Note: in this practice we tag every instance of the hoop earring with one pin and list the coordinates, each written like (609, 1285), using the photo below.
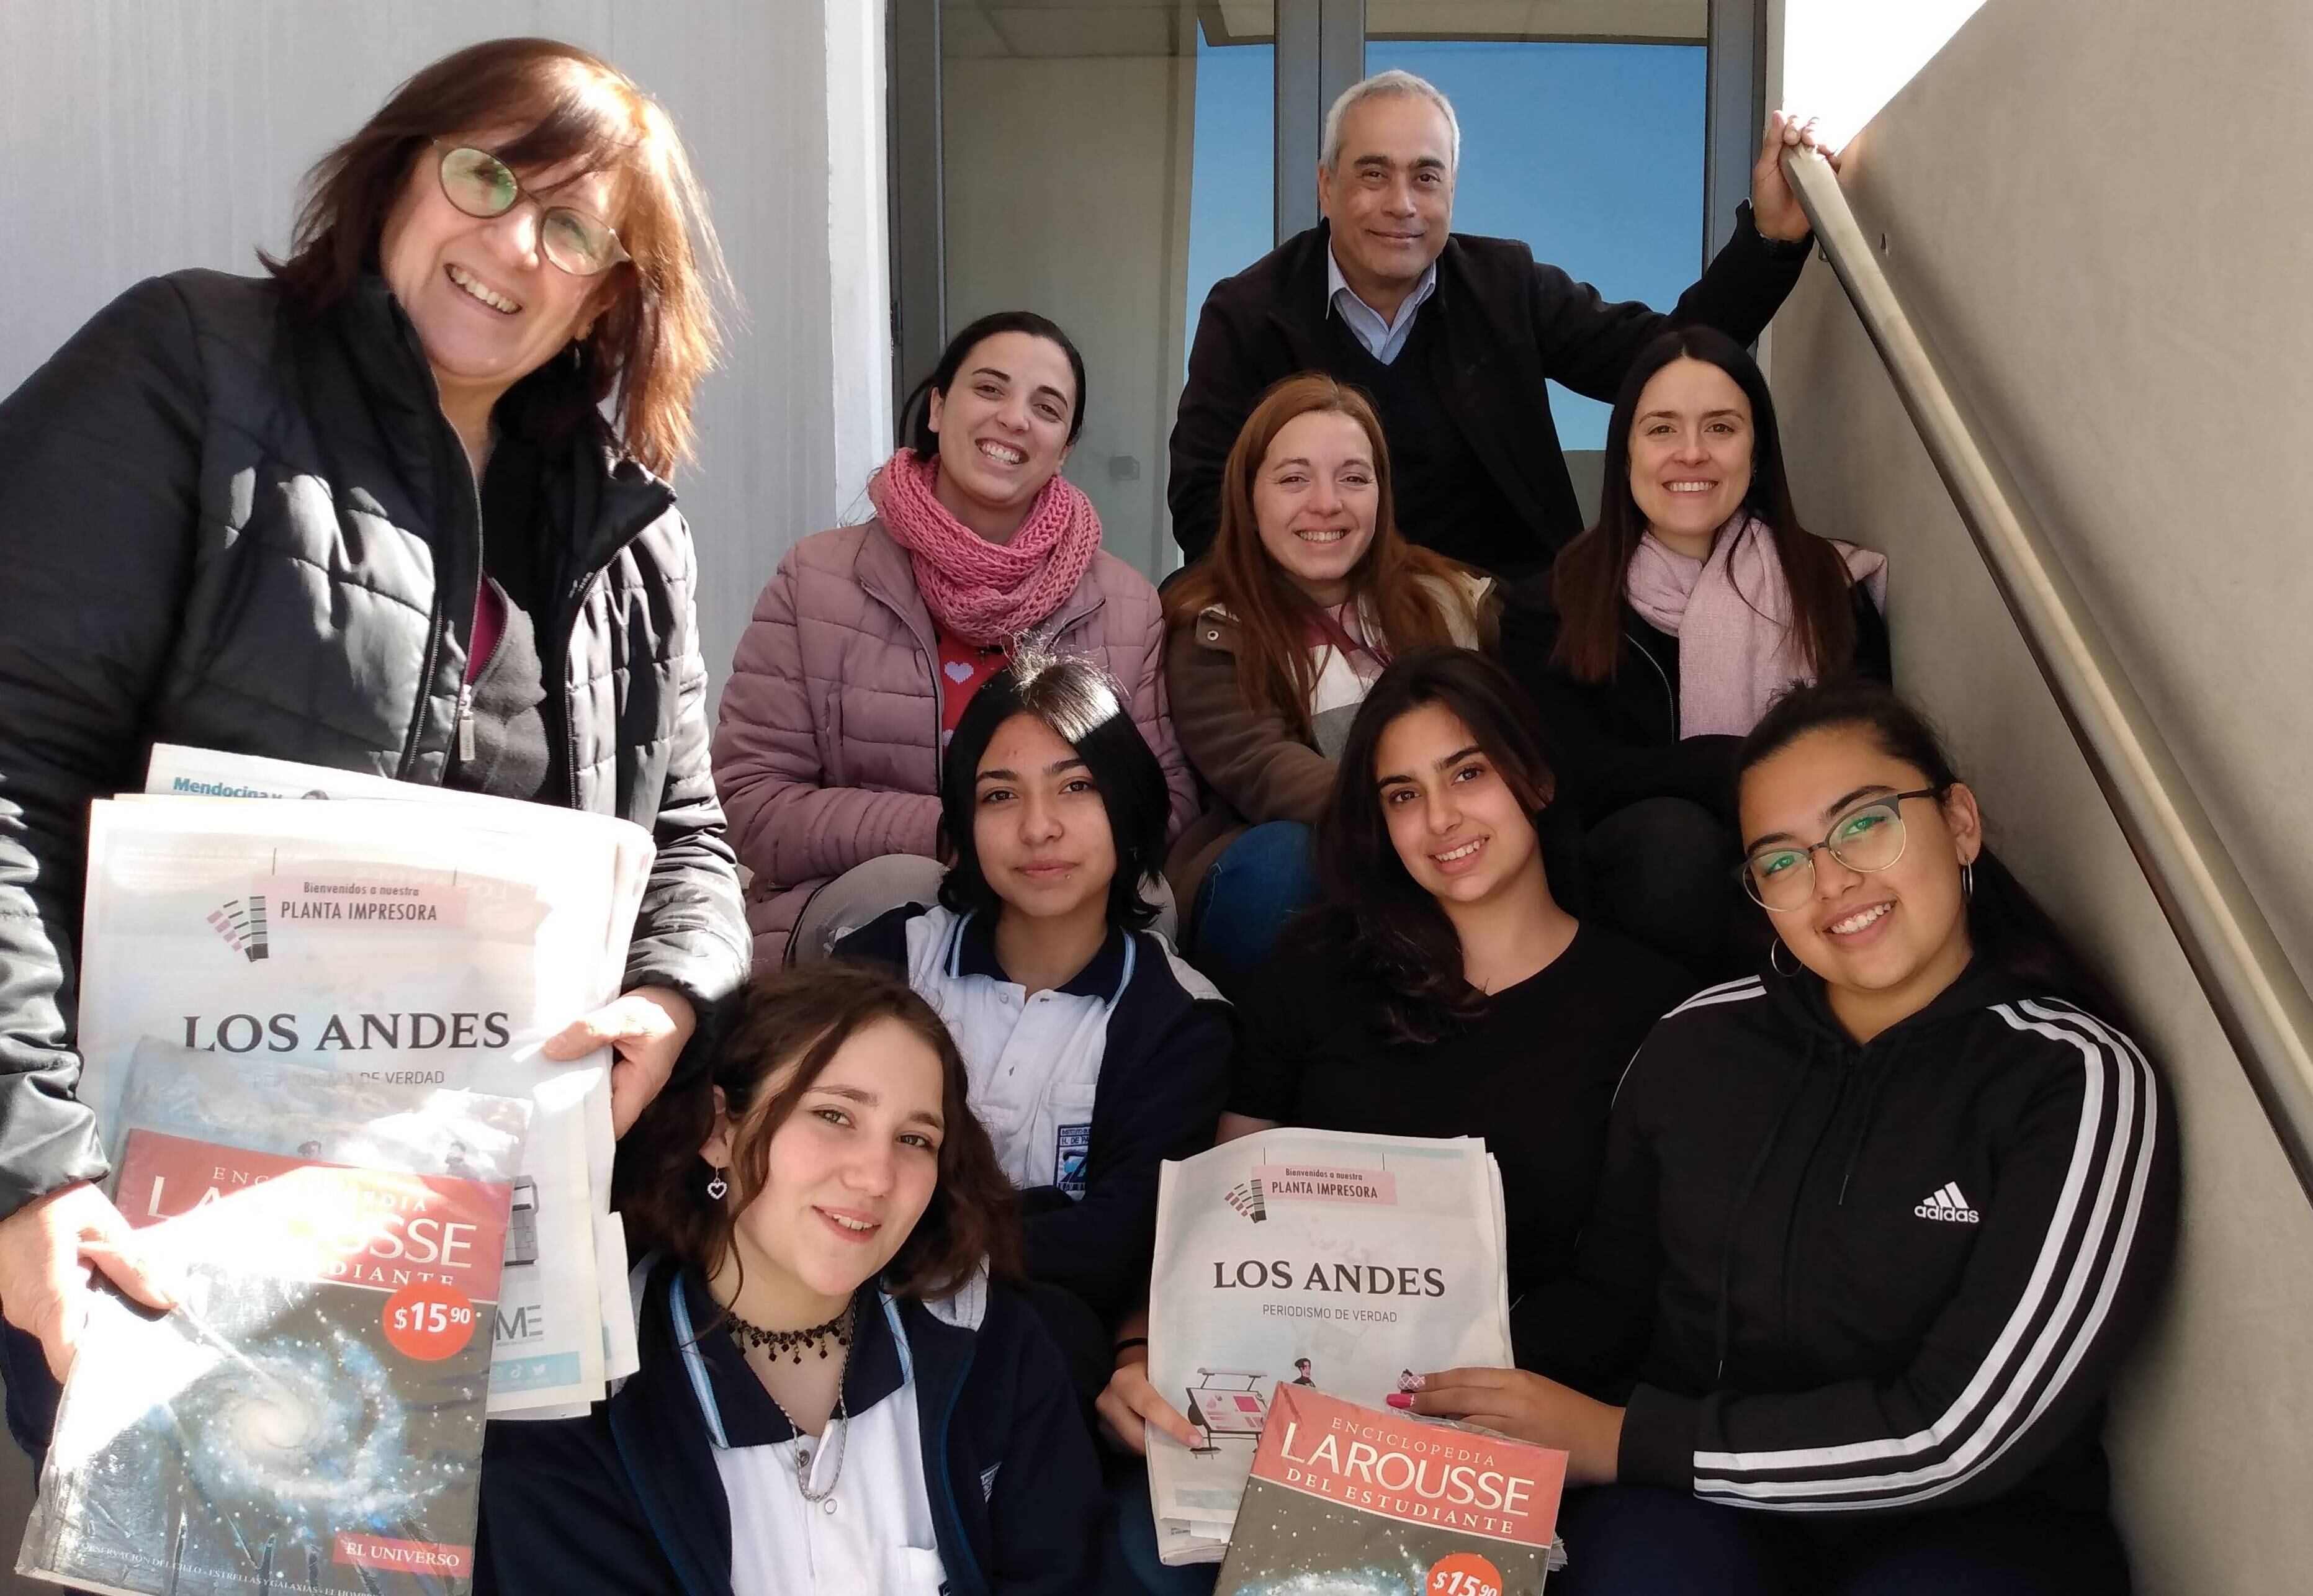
(1967, 881)
(1776, 964)
(719, 1187)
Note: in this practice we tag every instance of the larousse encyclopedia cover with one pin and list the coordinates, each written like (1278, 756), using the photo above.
(1350, 1501)
(309, 1418)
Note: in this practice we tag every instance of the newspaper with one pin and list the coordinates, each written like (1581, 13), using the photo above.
(180, 771)
(1318, 1259)
(410, 943)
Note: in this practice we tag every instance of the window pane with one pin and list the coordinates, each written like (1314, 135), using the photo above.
(1233, 197)
(1091, 150)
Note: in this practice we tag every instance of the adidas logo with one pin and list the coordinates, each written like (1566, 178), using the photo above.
(1946, 1204)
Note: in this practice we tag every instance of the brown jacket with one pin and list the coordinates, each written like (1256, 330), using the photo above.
(1252, 764)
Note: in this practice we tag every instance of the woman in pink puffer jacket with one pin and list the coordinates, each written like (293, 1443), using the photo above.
(870, 639)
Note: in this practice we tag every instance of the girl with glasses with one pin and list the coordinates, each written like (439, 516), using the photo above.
(365, 510)
(1274, 638)
(839, 1392)
(1096, 1054)
(1874, 1236)
(1661, 635)
(871, 639)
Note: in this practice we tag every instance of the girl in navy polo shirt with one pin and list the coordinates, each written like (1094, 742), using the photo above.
(1094, 1053)
(833, 1397)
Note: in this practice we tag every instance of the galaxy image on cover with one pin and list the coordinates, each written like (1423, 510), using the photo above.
(291, 1431)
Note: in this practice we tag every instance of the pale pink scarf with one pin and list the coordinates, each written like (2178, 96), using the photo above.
(981, 591)
(1731, 614)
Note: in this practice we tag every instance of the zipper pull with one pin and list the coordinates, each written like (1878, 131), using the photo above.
(465, 723)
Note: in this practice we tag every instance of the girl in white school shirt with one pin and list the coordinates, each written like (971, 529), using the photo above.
(833, 1397)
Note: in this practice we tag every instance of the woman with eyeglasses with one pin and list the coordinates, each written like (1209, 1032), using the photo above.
(365, 510)
(1876, 1229)
(1662, 634)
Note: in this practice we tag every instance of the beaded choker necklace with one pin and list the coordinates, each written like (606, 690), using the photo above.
(792, 1344)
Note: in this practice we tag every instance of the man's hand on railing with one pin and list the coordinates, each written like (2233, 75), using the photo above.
(1773, 207)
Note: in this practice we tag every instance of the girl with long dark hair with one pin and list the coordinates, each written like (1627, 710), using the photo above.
(839, 1392)
(1094, 1053)
(1874, 1235)
(1440, 988)
(1661, 635)
(1273, 639)
(871, 639)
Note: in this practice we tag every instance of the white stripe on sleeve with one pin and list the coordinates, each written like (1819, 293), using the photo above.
(2056, 1318)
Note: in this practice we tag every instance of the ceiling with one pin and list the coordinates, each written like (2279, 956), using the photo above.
(1078, 29)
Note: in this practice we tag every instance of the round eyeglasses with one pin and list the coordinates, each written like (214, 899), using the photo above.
(481, 185)
(1781, 876)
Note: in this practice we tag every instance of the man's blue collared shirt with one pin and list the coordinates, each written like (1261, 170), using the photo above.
(1383, 339)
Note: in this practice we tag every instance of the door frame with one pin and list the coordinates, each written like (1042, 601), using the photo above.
(1320, 50)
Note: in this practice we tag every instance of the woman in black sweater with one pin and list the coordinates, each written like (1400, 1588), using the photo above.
(1440, 989)
(1873, 1237)
(1662, 634)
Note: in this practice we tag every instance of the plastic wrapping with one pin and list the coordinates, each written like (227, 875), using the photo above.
(308, 1417)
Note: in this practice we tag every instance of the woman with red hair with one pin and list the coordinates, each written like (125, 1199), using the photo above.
(1272, 643)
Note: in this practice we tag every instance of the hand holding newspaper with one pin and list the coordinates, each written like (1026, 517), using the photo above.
(1315, 1259)
(406, 934)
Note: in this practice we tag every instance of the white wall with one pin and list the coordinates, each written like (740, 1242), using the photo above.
(2092, 209)
(137, 137)
(1067, 194)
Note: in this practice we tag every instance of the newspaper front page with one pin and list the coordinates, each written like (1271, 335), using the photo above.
(176, 770)
(407, 943)
(1316, 1258)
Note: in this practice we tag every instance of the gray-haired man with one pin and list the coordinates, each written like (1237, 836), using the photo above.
(1452, 336)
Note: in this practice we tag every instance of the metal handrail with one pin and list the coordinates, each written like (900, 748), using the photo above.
(2259, 997)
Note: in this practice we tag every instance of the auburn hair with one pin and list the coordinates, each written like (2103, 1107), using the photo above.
(655, 334)
(789, 1029)
(1397, 584)
(1588, 579)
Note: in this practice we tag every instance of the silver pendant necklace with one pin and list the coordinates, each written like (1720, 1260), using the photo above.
(832, 1435)
(835, 1428)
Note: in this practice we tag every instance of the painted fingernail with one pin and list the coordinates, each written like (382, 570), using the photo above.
(1399, 1400)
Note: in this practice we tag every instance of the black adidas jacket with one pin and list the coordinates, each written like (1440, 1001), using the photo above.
(1898, 1276)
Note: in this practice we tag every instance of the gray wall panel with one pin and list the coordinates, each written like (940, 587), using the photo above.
(2083, 207)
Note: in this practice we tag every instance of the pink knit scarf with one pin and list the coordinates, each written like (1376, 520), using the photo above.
(1731, 614)
(981, 591)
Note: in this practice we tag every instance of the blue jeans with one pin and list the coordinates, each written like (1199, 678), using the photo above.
(1257, 884)
(1133, 1526)
(1643, 1540)
(32, 1391)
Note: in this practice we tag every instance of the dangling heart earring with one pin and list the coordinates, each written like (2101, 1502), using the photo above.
(719, 1187)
